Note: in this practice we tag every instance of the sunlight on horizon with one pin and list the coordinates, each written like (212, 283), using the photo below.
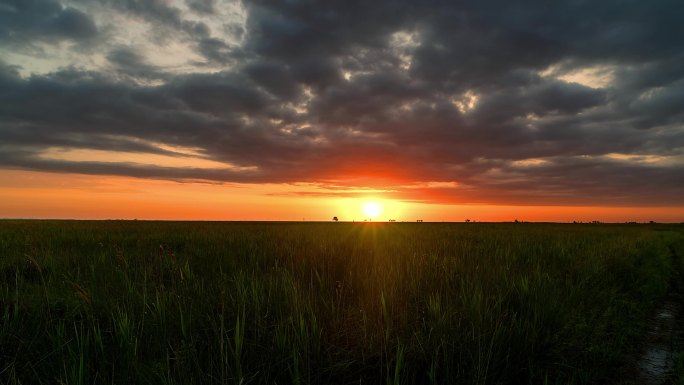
(31, 194)
(372, 209)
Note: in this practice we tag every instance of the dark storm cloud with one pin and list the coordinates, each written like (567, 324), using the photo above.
(216, 50)
(202, 6)
(8, 73)
(168, 23)
(275, 78)
(25, 21)
(289, 30)
(569, 102)
(157, 11)
(161, 14)
(131, 63)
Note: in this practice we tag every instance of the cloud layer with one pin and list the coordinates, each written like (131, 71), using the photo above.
(496, 102)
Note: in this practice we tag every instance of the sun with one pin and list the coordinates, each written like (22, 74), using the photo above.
(372, 209)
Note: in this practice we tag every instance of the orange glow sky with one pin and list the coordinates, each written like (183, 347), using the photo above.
(291, 110)
(30, 194)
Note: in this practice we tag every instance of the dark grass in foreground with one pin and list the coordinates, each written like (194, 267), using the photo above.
(326, 303)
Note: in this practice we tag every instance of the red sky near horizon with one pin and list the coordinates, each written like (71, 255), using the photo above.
(37, 195)
(272, 110)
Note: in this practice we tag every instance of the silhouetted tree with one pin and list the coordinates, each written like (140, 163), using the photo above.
(335, 219)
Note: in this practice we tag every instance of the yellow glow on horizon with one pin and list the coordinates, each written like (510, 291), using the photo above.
(372, 209)
(34, 194)
(353, 209)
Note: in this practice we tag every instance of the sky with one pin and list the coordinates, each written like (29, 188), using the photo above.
(438, 110)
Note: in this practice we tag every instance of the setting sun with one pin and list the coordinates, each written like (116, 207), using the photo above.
(372, 209)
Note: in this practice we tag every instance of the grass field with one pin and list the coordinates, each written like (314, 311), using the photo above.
(123, 302)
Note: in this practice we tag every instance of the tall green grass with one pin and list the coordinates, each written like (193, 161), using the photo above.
(676, 245)
(336, 303)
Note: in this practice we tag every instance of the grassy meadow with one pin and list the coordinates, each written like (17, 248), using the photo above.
(137, 302)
